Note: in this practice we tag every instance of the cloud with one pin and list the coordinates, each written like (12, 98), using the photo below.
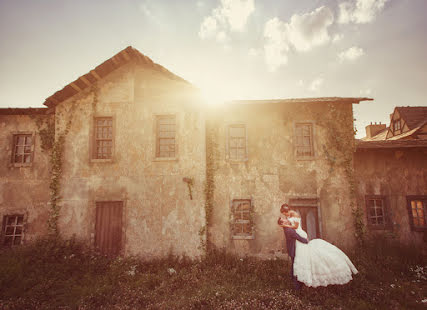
(311, 29)
(337, 37)
(315, 84)
(351, 54)
(208, 27)
(253, 52)
(301, 33)
(229, 16)
(360, 11)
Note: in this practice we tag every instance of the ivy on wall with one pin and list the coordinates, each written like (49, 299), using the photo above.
(53, 141)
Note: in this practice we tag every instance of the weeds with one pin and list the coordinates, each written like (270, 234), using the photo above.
(64, 274)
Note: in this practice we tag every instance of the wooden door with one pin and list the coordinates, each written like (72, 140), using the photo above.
(108, 227)
(309, 221)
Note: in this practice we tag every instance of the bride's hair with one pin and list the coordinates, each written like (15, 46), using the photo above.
(284, 208)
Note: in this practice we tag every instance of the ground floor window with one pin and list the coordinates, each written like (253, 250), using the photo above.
(12, 230)
(242, 222)
(417, 209)
(376, 211)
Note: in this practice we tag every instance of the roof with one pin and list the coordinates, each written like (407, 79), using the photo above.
(25, 111)
(390, 144)
(123, 57)
(354, 100)
(413, 116)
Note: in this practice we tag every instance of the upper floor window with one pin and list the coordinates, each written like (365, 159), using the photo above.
(22, 149)
(103, 138)
(165, 136)
(304, 140)
(12, 231)
(417, 208)
(376, 210)
(242, 223)
(237, 148)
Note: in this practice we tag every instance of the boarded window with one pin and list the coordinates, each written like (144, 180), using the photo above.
(242, 224)
(165, 136)
(103, 138)
(417, 207)
(304, 140)
(237, 142)
(13, 229)
(22, 149)
(108, 227)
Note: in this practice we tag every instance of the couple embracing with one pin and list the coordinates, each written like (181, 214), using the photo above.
(316, 262)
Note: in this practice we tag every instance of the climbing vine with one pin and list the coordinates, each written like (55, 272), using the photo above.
(339, 152)
(209, 183)
(53, 141)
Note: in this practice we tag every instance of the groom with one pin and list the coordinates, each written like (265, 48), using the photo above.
(291, 237)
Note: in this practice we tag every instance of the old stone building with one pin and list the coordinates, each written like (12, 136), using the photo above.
(391, 172)
(149, 169)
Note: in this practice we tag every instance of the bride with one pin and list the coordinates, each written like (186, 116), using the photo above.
(318, 263)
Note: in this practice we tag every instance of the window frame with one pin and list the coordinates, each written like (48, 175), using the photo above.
(94, 139)
(423, 198)
(228, 141)
(385, 207)
(312, 144)
(157, 117)
(12, 155)
(242, 236)
(14, 235)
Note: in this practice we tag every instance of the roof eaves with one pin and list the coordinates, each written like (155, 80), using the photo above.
(352, 100)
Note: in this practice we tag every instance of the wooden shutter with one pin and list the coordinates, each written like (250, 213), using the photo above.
(108, 227)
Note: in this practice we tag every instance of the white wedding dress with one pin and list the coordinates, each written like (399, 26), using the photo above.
(320, 263)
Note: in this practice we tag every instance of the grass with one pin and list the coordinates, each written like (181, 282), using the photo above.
(66, 275)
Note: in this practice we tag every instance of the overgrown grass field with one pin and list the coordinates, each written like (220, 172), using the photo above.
(66, 275)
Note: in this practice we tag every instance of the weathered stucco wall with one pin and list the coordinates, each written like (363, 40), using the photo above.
(273, 175)
(394, 174)
(24, 190)
(159, 217)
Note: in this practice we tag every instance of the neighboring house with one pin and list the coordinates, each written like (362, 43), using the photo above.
(148, 169)
(390, 165)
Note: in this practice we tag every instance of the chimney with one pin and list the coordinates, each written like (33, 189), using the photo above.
(373, 129)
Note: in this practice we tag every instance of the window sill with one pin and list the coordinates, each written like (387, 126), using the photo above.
(165, 159)
(107, 160)
(16, 165)
(243, 237)
(308, 158)
(379, 227)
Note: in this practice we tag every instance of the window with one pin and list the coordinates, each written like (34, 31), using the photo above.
(22, 149)
(376, 211)
(396, 125)
(417, 208)
(237, 149)
(242, 224)
(304, 140)
(165, 141)
(12, 231)
(103, 138)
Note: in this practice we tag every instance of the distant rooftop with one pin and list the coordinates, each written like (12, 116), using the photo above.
(354, 100)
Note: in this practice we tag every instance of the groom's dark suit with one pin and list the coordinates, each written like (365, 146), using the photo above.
(291, 237)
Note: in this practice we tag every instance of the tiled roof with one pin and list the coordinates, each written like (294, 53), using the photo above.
(304, 100)
(413, 116)
(378, 137)
(390, 144)
(108, 66)
(25, 111)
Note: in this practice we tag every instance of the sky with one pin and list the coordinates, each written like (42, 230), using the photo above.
(230, 49)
